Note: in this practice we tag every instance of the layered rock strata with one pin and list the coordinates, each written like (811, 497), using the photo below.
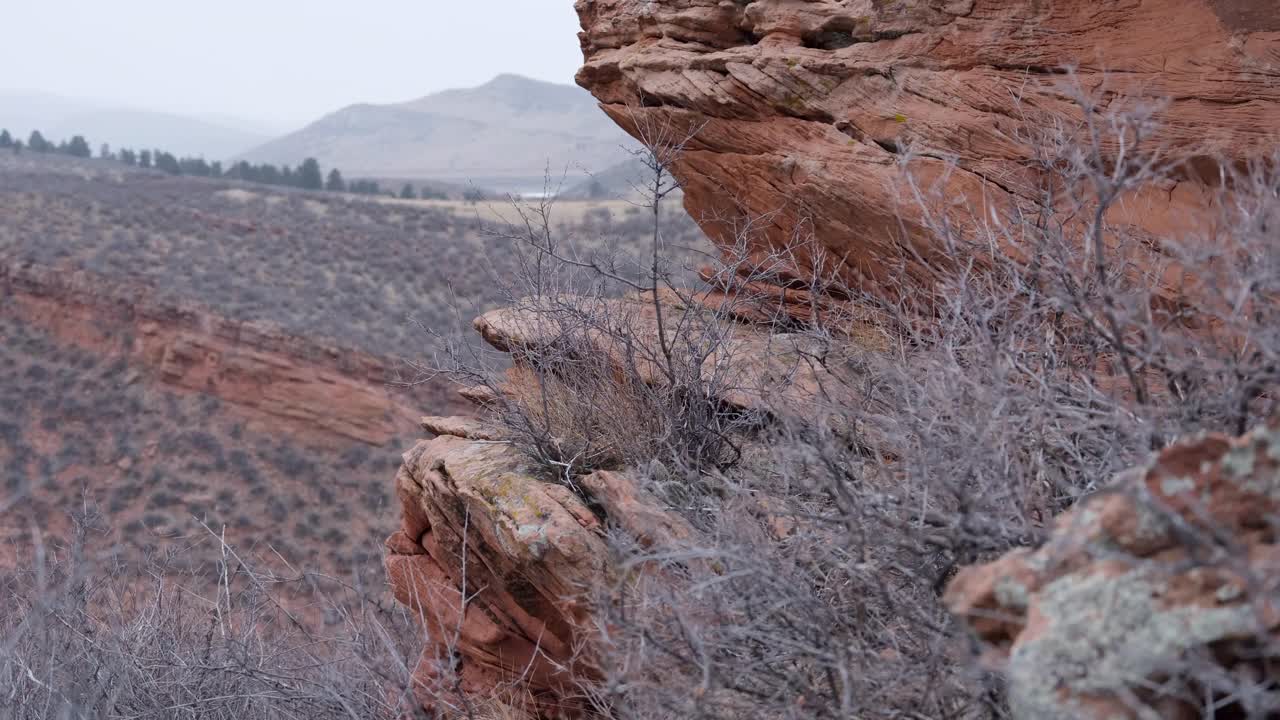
(801, 112)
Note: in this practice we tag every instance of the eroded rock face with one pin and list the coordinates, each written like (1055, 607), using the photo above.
(1175, 564)
(301, 385)
(802, 108)
(524, 551)
(527, 552)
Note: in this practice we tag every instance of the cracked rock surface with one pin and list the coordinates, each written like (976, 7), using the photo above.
(802, 108)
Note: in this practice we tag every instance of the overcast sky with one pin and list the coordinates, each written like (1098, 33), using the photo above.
(281, 62)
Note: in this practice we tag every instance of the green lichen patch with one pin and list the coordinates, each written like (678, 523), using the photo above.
(1105, 636)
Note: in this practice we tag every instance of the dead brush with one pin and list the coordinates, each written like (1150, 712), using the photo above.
(1055, 347)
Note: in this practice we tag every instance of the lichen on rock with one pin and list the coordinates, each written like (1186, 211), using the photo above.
(1175, 563)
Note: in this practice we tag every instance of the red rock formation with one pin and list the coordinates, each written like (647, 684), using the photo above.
(523, 550)
(479, 519)
(750, 368)
(1176, 560)
(802, 107)
(528, 553)
(299, 384)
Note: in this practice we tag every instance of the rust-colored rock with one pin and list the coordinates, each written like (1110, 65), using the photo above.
(751, 368)
(635, 510)
(529, 553)
(1177, 559)
(802, 108)
(463, 427)
(525, 551)
(296, 383)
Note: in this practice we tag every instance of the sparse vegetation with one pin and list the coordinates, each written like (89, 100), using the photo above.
(79, 430)
(944, 420)
(959, 417)
(324, 266)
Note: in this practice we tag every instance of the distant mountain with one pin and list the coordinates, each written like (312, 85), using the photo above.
(504, 134)
(59, 118)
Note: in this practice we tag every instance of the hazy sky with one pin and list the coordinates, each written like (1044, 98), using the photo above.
(282, 62)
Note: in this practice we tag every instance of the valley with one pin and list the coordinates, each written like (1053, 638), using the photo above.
(181, 356)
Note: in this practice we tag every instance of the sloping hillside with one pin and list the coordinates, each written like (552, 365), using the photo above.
(504, 133)
(59, 118)
(179, 350)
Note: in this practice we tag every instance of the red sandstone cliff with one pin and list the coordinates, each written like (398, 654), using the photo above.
(801, 108)
(803, 111)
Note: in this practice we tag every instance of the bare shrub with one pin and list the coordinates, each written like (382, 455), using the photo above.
(217, 636)
(1059, 347)
(618, 361)
(1056, 346)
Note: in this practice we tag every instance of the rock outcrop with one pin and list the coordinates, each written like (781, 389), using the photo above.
(498, 559)
(748, 367)
(1150, 597)
(295, 383)
(528, 552)
(495, 562)
(803, 108)
(499, 565)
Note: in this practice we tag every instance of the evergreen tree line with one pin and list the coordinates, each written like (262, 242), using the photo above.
(76, 146)
(307, 176)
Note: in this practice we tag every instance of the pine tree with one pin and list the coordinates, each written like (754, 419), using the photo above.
(78, 147)
(335, 183)
(167, 162)
(241, 171)
(309, 176)
(6, 140)
(144, 158)
(104, 152)
(270, 174)
(407, 192)
(194, 166)
(37, 143)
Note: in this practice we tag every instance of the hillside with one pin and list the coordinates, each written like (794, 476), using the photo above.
(505, 133)
(177, 351)
(59, 118)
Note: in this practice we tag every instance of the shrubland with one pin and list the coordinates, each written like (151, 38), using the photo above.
(838, 450)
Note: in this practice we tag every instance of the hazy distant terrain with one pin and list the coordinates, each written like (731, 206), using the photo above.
(59, 118)
(506, 134)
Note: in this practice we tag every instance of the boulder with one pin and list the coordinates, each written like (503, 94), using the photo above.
(528, 555)
(1149, 597)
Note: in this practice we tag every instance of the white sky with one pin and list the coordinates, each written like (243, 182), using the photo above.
(279, 62)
